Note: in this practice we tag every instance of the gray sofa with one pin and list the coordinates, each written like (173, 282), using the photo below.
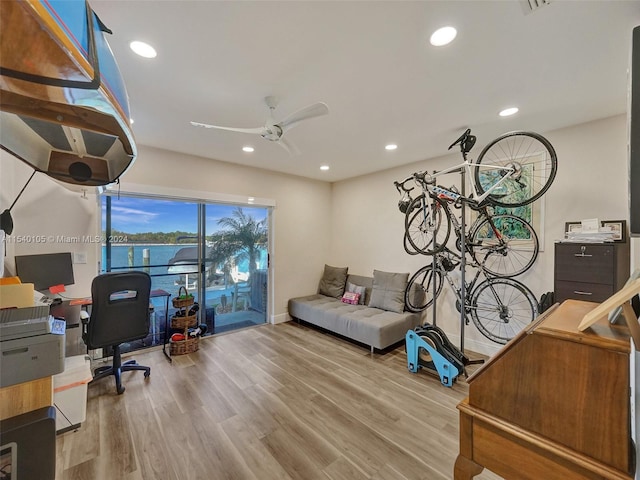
(372, 326)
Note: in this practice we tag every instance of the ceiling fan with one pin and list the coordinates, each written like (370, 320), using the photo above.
(274, 131)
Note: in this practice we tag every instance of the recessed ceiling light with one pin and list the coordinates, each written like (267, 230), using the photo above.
(248, 149)
(143, 49)
(391, 146)
(131, 121)
(508, 111)
(443, 36)
(251, 200)
(324, 167)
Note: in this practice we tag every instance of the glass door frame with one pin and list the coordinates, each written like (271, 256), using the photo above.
(201, 240)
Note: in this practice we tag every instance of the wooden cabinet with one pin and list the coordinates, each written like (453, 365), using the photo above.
(590, 271)
(25, 397)
(553, 404)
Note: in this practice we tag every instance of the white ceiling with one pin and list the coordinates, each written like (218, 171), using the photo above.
(372, 64)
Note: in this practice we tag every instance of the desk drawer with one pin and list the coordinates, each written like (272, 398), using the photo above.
(590, 292)
(577, 262)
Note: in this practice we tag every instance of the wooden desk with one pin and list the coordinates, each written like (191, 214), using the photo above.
(25, 397)
(553, 404)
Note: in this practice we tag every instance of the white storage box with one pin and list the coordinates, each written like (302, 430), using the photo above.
(70, 392)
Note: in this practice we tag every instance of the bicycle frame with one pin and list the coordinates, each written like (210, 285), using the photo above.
(469, 286)
(482, 215)
(427, 181)
(457, 289)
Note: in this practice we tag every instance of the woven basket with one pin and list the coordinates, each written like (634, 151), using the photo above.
(182, 302)
(183, 322)
(182, 347)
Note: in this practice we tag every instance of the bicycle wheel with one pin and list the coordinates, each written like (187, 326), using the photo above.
(507, 250)
(501, 308)
(424, 281)
(530, 155)
(426, 218)
(407, 246)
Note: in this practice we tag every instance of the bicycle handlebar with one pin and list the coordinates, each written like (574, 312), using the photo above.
(400, 186)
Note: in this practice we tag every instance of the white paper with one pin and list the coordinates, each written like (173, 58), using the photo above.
(590, 225)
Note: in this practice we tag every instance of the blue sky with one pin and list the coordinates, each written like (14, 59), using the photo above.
(136, 215)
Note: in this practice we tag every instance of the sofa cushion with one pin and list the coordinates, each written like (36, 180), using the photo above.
(366, 282)
(352, 298)
(359, 289)
(388, 291)
(333, 281)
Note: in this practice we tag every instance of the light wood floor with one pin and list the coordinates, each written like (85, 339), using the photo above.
(282, 402)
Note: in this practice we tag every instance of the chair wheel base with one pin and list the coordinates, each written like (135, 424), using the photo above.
(117, 368)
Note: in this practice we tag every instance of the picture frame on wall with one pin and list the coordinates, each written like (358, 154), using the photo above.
(618, 227)
(572, 227)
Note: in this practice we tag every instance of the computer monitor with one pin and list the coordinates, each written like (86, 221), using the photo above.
(45, 270)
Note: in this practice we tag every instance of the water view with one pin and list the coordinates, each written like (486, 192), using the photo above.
(159, 257)
(154, 236)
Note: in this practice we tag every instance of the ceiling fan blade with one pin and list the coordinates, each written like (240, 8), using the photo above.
(258, 130)
(315, 110)
(288, 146)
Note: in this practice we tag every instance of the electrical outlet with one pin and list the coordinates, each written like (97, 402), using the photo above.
(79, 257)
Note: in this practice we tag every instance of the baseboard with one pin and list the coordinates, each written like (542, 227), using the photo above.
(283, 317)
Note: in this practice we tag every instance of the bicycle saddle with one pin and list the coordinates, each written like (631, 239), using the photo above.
(466, 141)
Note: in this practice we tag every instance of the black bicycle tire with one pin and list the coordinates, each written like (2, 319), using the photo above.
(415, 209)
(485, 329)
(408, 304)
(552, 174)
(479, 257)
(408, 248)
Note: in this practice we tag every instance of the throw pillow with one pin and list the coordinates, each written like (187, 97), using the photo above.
(388, 291)
(350, 298)
(351, 287)
(333, 281)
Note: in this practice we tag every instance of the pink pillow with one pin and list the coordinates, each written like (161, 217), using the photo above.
(351, 298)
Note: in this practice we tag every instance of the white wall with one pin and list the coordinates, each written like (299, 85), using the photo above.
(368, 228)
(48, 218)
(301, 218)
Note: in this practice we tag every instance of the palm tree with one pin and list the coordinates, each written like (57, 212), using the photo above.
(241, 238)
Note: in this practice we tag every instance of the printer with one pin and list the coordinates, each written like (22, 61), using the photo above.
(31, 344)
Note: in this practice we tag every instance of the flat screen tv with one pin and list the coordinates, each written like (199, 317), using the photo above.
(45, 270)
(634, 134)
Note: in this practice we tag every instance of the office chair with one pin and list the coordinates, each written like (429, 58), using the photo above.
(119, 314)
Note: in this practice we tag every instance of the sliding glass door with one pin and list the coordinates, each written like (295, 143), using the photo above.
(237, 265)
(216, 252)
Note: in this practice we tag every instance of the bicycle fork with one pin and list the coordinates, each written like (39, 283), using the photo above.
(429, 211)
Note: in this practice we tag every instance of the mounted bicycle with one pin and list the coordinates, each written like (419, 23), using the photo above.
(505, 244)
(514, 170)
(498, 307)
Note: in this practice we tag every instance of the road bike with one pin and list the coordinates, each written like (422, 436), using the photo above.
(505, 244)
(514, 170)
(498, 307)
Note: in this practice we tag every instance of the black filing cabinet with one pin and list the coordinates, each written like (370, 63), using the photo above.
(590, 271)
